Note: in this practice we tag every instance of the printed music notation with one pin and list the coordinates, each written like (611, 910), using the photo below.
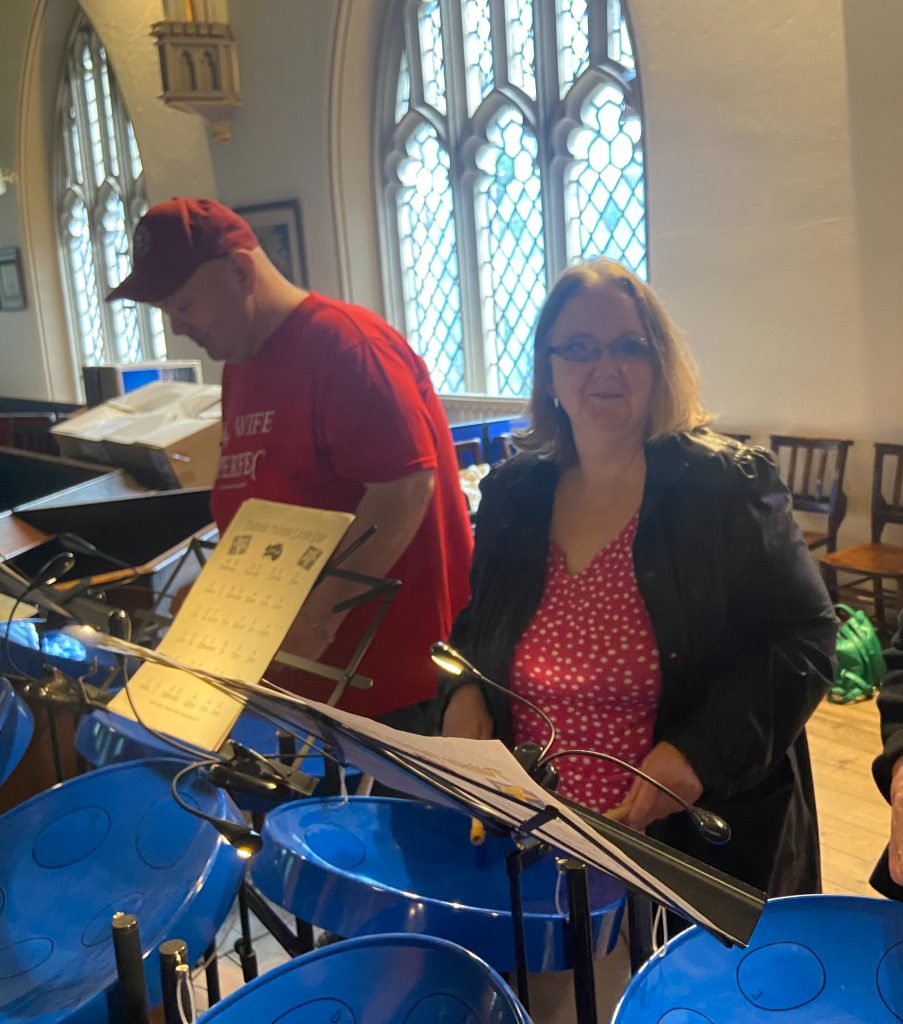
(234, 618)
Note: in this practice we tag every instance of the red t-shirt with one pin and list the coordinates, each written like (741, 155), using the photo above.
(336, 399)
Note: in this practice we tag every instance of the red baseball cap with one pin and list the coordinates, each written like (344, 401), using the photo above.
(173, 239)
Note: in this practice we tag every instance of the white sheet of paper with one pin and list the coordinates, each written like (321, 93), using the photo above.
(490, 773)
(484, 769)
(234, 618)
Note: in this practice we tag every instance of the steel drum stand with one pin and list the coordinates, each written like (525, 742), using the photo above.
(579, 923)
(250, 900)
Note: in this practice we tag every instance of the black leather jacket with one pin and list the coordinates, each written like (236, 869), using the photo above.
(742, 620)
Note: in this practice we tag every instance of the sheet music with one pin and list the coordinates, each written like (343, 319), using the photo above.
(490, 773)
(233, 620)
(490, 780)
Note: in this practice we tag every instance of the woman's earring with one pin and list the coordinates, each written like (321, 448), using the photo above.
(555, 402)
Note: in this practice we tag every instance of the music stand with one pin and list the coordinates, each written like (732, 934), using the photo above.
(487, 783)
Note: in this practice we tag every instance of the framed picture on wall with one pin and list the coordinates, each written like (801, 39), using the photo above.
(278, 227)
(12, 291)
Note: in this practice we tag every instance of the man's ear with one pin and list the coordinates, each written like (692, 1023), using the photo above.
(242, 270)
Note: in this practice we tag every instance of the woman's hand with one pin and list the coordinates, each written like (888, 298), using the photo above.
(466, 715)
(895, 845)
(645, 803)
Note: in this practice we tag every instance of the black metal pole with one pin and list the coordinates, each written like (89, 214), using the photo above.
(54, 742)
(244, 946)
(514, 864)
(130, 968)
(639, 924)
(211, 973)
(288, 748)
(580, 927)
(172, 953)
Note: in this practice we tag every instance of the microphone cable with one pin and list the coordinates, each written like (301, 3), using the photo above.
(712, 827)
(56, 566)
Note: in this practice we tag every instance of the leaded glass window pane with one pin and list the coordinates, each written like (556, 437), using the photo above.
(403, 91)
(75, 174)
(512, 259)
(134, 156)
(471, 195)
(117, 265)
(92, 110)
(604, 189)
(432, 56)
(620, 47)
(426, 231)
(77, 236)
(158, 338)
(521, 47)
(478, 51)
(573, 41)
(100, 195)
(109, 129)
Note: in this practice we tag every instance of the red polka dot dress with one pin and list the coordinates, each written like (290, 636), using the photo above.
(588, 659)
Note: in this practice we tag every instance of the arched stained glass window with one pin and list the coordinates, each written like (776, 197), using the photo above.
(100, 196)
(512, 145)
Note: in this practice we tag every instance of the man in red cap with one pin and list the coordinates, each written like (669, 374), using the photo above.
(324, 405)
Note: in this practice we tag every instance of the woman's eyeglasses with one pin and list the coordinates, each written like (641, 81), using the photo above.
(622, 350)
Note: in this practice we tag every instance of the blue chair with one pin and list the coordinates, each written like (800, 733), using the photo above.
(811, 960)
(112, 840)
(16, 728)
(370, 865)
(380, 979)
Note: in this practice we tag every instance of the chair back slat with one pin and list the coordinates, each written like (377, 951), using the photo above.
(813, 469)
(822, 472)
(469, 452)
(887, 488)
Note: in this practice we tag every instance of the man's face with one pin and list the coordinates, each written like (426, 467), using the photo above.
(214, 309)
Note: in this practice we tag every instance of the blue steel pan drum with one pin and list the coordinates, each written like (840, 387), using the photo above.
(369, 865)
(30, 648)
(112, 840)
(811, 960)
(104, 737)
(379, 979)
(16, 728)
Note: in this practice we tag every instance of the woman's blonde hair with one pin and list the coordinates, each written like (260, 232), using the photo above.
(675, 404)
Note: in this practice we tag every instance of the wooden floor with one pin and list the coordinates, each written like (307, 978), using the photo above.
(853, 816)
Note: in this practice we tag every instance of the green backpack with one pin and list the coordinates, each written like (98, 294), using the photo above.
(860, 664)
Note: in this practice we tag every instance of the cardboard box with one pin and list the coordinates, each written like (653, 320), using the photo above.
(165, 434)
(81, 436)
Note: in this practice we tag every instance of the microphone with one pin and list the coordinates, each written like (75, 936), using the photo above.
(712, 827)
(85, 547)
(454, 662)
(245, 840)
(249, 772)
(86, 587)
(50, 572)
(536, 760)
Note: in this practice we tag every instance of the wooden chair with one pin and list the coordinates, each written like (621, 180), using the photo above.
(813, 469)
(469, 452)
(507, 445)
(874, 563)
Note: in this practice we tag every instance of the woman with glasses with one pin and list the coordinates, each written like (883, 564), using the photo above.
(641, 579)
